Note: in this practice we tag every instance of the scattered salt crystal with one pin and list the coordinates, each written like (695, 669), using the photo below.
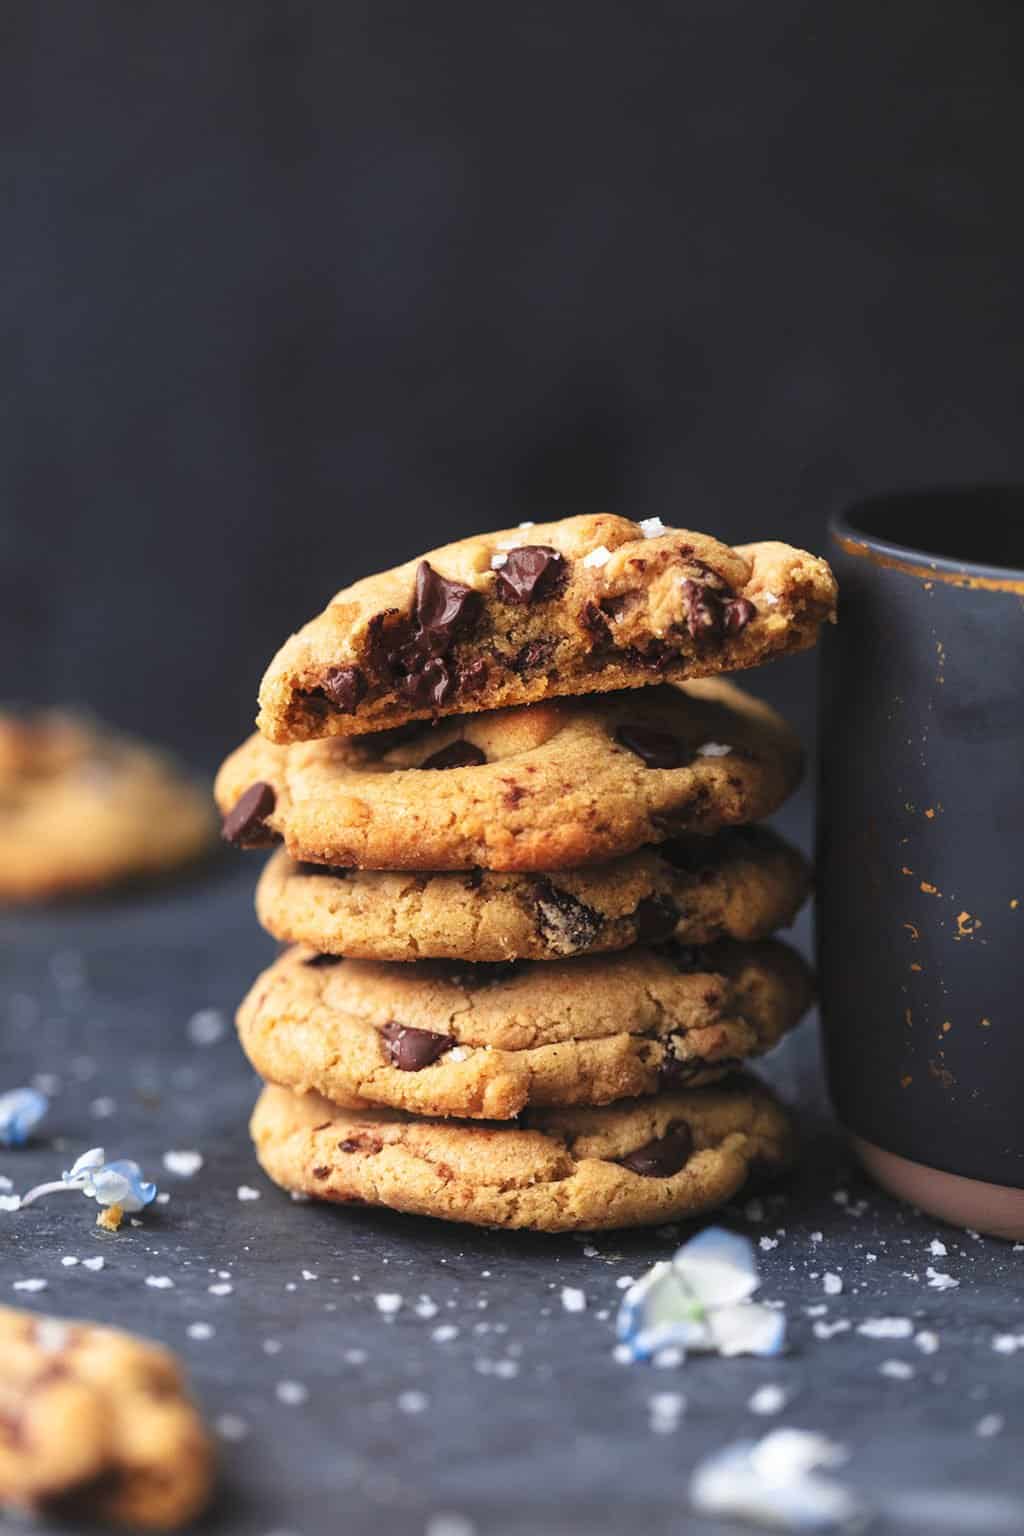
(162, 1197)
(1006, 1343)
(990, 1425)
(94, 1264)
(818, 1310)
(351, 1356)
(307, 1274)
(624, 1282)
(886, 1328)
(412, 1402)
(160, 1282)
(222, 1288)
(206, 1027)
(69, 1261)
(29, 1285)
(768, 1243)
(651, 527)
(872, 1258)
(200, 1330)
(291, 1392)
(622, 1354)
(898, 1370)
(5, 1182)
(668, 1358)
(497, 561)
(230, 1427)
(246, 1192)
(449, 1525)
(665, 1409)
(184, 1164)
(926, 1341)
(767, 1399)
(103, 1108)
(573, 1299)
(387, 1302)
(829, 1330)
(940, 1282)
(529, 524)
(444, 1333)
(425, 1307)
(714, 749)
(597, 557)
(817, 1237)
(937, 1249)
(833, 1285)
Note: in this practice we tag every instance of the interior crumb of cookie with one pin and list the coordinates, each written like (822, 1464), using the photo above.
(458, 643)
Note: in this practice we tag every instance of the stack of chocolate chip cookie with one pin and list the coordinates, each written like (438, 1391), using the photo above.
(526, 904)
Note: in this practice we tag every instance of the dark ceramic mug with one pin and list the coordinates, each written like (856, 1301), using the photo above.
(920, 905)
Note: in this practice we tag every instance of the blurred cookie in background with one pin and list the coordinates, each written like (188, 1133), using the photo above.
(83, 807)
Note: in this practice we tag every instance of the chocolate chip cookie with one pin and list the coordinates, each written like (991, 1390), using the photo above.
(547, 787)
(584, 605)
(484, 1041)
(743, 883)
(82, 807)
(95, 1425)
(626, 1165)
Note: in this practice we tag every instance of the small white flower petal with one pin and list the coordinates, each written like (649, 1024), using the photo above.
(718, 1267)
(747, 1329)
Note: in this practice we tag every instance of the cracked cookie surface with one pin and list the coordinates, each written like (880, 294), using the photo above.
(586, 604)
(625, 1165)
(97, 1426)
(549, 786)
(82, 807)
(483, 1042)
(742, 883)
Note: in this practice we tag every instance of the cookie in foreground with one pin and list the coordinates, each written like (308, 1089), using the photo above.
(545, 787)
(83, 807)
(625, 1165)
(486, 1041)
(97, 1426)
(742, 883)
(587, 604)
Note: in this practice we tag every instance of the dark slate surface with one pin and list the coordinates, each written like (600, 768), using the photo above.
(525, 1423)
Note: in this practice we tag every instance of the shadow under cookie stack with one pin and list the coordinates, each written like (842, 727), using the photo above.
(527, 906)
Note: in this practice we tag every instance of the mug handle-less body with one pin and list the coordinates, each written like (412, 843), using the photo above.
(920, 895)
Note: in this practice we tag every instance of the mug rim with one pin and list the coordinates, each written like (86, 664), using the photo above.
(915, 559)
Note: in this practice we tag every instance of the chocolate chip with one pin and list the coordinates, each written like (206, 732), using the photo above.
(674, 1073)
(472, 675)
(442, 608)
(566, 924)
(345, 687)
(321, 1172)
(657, 749)
(320, 960)
(738, 613)
(596, 624)
(480, 973)
(410, 1050)
(656, 918)
(245, 824)
(457, 754)
(663, 1157)
(702, 610)
(336, 871)
(530, 574)
(532, 656)
(413, 655)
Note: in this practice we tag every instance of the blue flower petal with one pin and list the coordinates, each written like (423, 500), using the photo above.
(748, 1329)
(659, 1311)
(774, 1482)
(121, 1183)
(21, 1110)
(719, 1267)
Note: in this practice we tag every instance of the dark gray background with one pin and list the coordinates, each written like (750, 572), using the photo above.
(292, 291)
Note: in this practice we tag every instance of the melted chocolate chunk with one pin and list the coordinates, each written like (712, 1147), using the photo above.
(595, 621)
(566, 924)
(414, 655)
(532, 656)
(674, 1073)
(319, 960)
(663, 1157)
(738, 613)
(656, 749)
(336, 871)
(245, 824)
(457, 754)
(656, 918)
(472, 675)
(345, 687)
(531, 574)
(410, 1050)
